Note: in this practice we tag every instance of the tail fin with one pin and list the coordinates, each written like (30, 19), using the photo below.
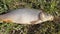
(4, 18)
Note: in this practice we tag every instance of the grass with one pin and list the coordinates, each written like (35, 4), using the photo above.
(49, 6)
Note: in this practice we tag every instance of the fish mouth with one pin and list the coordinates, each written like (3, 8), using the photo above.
(51, 18)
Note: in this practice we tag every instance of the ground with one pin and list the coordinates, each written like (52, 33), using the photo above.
(49, 6)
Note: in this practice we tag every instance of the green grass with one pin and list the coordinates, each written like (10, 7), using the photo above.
(49, 6)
